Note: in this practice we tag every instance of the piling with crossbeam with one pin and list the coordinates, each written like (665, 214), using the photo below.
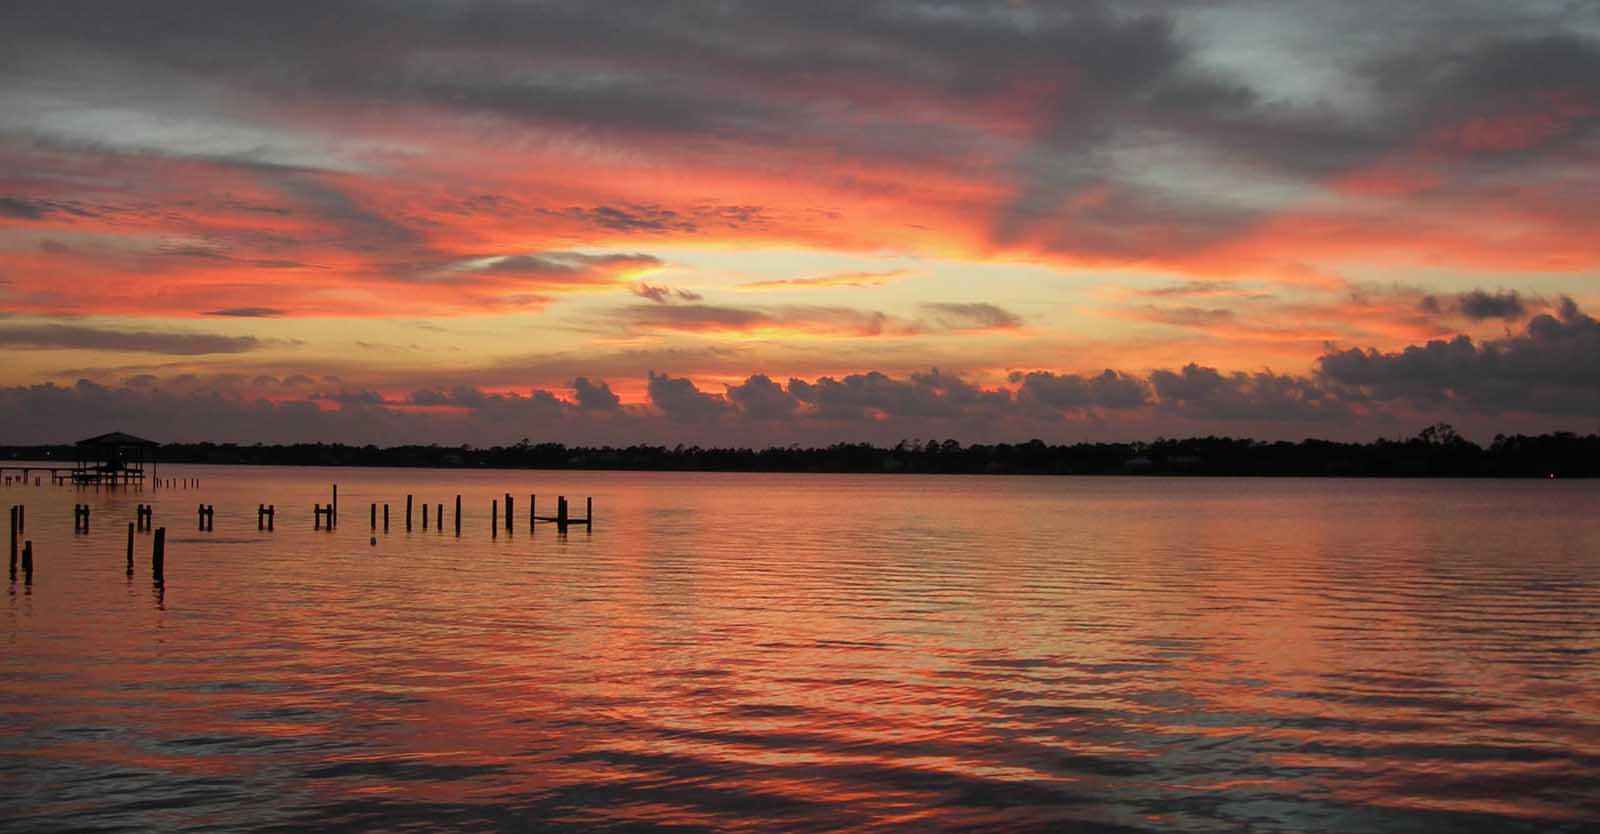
(563, 517)
(80, 518)
(143, 516)
(208, 516)
(158, 555)
(408, 513)
(318, 513)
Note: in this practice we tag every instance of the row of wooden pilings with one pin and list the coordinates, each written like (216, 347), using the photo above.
(328, 515)
(144, 520)
(158, 549)
(144, 516)
(562, 519)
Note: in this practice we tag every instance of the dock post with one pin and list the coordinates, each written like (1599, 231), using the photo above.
(13, 542)
(272, 513)
(424, 515)
(386, 517)
(533, 520)
(316, 516)
(333, 517)
(408, 513)
(588, 512)
(27, 562)
(130, 548)
(261, 516)
(494, 518)
(561, 513)
(458, 515)
(439, 517)
(158, 555)
(374, 515)
(510, 514)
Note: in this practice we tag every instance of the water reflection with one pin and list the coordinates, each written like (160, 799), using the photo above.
(819, 654)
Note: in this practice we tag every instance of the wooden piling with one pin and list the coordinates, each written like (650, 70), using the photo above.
(439, 516)
(561, 512)
(424, 515)
(408, 513)
(588, 512)
(458, 515)
(130, 548)
(533, 521)
(333, 517)
(374, 515)
(385, 518)
(22, 519)
(27, 562)
(158, 555)
(13, 541)
(494, 518)
(510, 514)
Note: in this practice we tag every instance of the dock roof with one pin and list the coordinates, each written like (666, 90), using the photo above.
(116, 438)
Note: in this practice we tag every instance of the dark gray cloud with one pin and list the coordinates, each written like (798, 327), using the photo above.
(974, 315)
(649, 218)
(1552, 367)
(595, 396)
(1479, 305)
(1209, 394)
(247, 312)
(83, 337)
(1054, 392)
(680, 400)
(21, 209)
(759, 398)
(663, 294)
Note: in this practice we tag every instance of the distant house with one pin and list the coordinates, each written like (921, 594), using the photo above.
(114, 458)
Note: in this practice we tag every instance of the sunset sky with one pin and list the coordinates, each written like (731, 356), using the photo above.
(797, 222)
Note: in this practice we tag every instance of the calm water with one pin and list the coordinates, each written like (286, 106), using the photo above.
(812, 653)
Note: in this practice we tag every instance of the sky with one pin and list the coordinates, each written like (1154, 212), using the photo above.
(755, 223)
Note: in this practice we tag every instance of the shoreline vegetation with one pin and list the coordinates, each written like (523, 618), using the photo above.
(1437, 451)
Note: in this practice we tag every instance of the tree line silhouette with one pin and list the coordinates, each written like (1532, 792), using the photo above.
(1436, 451)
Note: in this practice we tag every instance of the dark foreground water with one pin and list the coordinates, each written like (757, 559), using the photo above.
(812, 653)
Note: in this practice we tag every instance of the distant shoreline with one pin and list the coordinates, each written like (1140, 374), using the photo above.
(1436, 452)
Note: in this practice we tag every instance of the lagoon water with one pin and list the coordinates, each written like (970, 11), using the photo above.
(734, 652)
